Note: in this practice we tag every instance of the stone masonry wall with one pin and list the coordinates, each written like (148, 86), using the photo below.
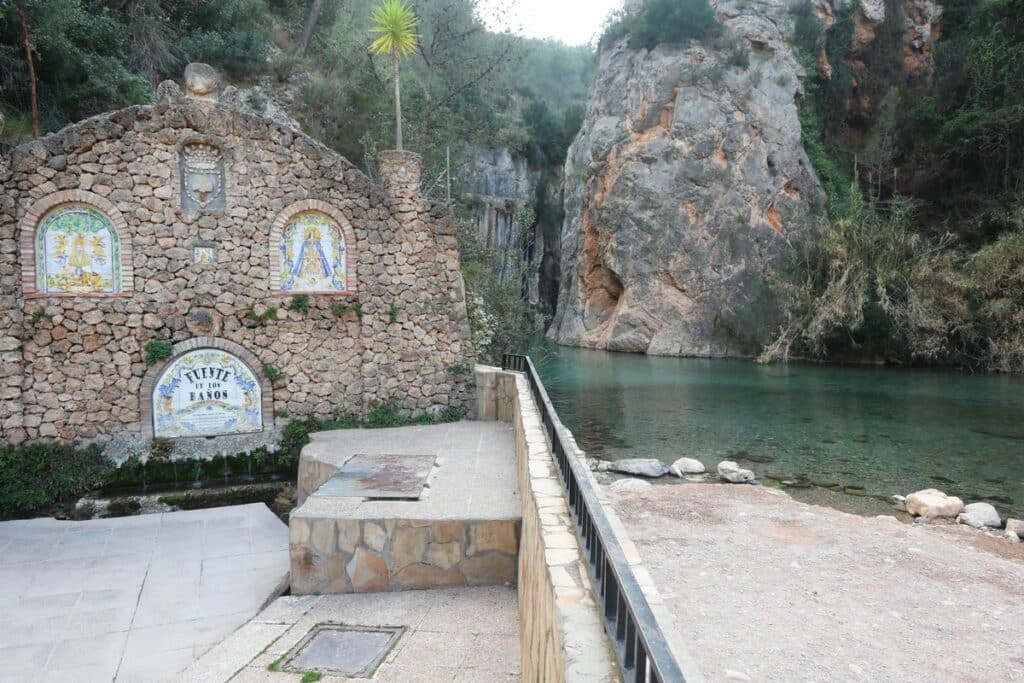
(73, 366)
(562, 635)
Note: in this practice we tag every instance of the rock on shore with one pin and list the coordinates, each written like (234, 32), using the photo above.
(640, 467)
(733, 473)
(684, 466)
(932, 504)
(980, 515)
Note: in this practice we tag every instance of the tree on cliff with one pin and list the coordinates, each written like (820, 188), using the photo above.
(394, 24)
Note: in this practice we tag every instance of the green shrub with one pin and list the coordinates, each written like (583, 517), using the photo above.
(671, 22)
(271, 373)
(158, 351)
(36, 476)
(285, 65)
(393, 313)
(385, 415)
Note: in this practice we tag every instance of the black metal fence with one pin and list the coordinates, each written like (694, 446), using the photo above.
(640, 646)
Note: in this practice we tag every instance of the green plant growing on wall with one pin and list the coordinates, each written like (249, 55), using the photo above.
(157, 351)
(341, 310)
(299, 304)
(37, 316)
(458, 370)
(261, 318)
(271, 373)
(393, 313)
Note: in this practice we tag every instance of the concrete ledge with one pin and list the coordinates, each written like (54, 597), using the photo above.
(561, 626)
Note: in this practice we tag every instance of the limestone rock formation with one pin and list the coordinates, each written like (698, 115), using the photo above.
(980, 515)
(685, 181)
(640, 467)
(684, 466)
(201, 80)
(932, 503)
(733, 473)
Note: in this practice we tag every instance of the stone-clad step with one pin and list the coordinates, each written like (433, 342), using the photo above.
(462, 530)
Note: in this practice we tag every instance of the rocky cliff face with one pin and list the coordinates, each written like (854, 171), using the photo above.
(685, 181)
(689, 175)
(499, 184)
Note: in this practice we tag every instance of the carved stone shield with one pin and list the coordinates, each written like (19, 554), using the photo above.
(202, 177)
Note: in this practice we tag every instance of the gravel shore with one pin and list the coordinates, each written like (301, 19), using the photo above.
(764, 588)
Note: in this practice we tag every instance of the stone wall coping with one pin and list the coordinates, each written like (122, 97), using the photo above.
(149, 380)
(544, 473)
(30, 224)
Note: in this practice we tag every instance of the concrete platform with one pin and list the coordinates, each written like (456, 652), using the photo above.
(452, 635)
(462, 531)
(135, 598)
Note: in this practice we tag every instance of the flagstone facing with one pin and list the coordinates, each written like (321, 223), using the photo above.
(198, 194)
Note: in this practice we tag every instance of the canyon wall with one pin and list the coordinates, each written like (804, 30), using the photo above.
(689, 176)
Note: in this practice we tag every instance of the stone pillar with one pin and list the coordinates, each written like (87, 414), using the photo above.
(400, 174)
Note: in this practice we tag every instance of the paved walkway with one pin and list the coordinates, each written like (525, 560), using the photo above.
(135, 598)
(453, 635)
(767, 589)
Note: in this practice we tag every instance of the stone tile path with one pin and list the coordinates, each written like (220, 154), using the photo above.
(134, 599)
(453, 635)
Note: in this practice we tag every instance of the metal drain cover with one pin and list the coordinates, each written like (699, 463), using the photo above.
(340, 650)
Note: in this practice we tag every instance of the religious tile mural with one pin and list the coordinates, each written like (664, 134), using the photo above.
(202, 177)
(77, 252)
(204, 256)
(313, 254)
(207, 392)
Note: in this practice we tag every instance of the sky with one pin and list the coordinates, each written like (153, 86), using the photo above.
(575, 22)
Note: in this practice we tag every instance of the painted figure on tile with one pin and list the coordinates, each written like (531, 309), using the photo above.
(77, 252)
(313, 255)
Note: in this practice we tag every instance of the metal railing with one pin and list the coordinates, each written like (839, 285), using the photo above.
(640, 646)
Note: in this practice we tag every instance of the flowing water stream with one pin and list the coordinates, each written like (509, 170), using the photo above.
(886, 430)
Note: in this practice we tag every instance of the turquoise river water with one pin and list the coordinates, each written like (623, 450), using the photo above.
(889, 431)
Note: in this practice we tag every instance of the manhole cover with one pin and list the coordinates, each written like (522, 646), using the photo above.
(380, 476)
(339, 650)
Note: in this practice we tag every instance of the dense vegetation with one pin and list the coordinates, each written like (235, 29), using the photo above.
(919, 256)
(464, 87)
(36, 476)
(670, 22)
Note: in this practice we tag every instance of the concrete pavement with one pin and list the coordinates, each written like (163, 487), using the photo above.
(134, 599)
(452, 635)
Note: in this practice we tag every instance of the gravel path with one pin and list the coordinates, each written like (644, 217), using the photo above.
(764, 588)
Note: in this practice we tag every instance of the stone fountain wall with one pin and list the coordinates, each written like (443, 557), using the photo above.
(197, 201)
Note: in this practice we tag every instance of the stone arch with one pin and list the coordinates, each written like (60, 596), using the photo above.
(278, 279)
(34, 257)
(154, 373)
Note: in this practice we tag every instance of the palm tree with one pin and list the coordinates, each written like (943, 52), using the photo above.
(394, 24)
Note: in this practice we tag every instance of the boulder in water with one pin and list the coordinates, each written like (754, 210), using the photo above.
(684, 466)
(933, 503)
(980, 515)
(641, 467)
(733, 473)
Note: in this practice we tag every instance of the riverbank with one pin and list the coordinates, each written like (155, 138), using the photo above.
(765, 588)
